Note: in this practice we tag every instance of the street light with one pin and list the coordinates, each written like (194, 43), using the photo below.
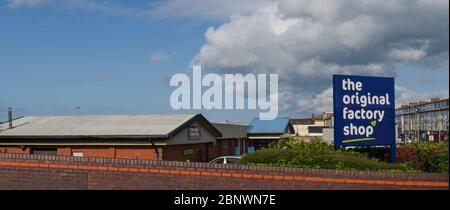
(417, 123)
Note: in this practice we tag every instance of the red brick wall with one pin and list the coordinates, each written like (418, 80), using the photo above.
(176, 152)
(24, 171)
(141, 152)
(95, 151)
(219, 149)
(14, 150)
(64, 151)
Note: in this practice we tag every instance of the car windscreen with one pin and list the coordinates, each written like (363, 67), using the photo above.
(232, 160)
(218, 161)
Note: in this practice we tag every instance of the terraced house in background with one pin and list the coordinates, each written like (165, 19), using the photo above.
(423, 120)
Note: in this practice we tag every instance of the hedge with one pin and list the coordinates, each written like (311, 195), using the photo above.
(425, 156)
(316, 154)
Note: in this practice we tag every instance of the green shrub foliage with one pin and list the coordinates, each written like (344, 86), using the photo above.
(425, 156)
(316, 154)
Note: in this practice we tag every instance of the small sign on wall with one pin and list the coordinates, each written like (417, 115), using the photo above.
(194, 133)
(188, 152)
(77, 154)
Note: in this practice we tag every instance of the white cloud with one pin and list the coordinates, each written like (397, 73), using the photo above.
(158, 57)
(307, 41)
(25, 3)
(84, 5)
(416, 50)
(403, 95)
(323, 102)
(408, 54)
(206, 9)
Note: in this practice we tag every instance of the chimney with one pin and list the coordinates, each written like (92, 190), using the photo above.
(10, 118)
(435, 100)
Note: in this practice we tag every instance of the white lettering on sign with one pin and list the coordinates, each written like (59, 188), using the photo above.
(373, 116)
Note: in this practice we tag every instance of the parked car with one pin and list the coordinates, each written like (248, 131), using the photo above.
(225, 160)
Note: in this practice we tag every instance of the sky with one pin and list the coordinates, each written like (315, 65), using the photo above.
(92, 57)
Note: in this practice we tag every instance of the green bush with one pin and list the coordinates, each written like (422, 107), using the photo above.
(380, 153)
(315, 154)
(425, 156)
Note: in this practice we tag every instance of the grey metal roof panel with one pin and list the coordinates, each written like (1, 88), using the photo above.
(111, 125)
(230, 130)
(275, 126)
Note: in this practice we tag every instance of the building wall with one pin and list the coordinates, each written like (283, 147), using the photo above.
(49, 172)
(141, 152)
(200, 152)
(301, 130)
(64, 151)
(431, 122)
(14, 150)
(182, 136)
(328, 135)
(223, 147)
(95, 151)
(130, 152)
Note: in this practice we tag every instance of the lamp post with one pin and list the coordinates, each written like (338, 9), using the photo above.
(417, 123)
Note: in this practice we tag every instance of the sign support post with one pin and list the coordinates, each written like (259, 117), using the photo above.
(393, 153)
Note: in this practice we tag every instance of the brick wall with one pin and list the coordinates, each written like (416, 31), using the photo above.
(14, 149)
(140, 152)
(222, 147)
(177, 152)
(24, 171)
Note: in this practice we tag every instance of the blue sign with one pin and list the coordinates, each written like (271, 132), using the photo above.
(364, 111)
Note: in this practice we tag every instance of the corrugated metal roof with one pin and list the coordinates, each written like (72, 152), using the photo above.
(231, 130)
(112, 125)
(276, 126)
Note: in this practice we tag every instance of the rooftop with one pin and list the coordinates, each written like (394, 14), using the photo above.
(276, 126)
(108, 125)
(232, 130)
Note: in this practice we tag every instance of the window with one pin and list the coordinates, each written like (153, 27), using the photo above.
(218, 161)
(316, 130)
(231, 160)
(43, 151)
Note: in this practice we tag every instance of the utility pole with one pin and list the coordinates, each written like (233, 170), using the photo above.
(417, 123)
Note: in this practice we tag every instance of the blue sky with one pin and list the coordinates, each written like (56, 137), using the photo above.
(116, 57)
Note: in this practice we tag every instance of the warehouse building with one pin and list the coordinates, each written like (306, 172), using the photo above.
(233, 141)
(146, 137)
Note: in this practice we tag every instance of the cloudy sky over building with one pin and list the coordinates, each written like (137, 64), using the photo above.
(116, 57)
